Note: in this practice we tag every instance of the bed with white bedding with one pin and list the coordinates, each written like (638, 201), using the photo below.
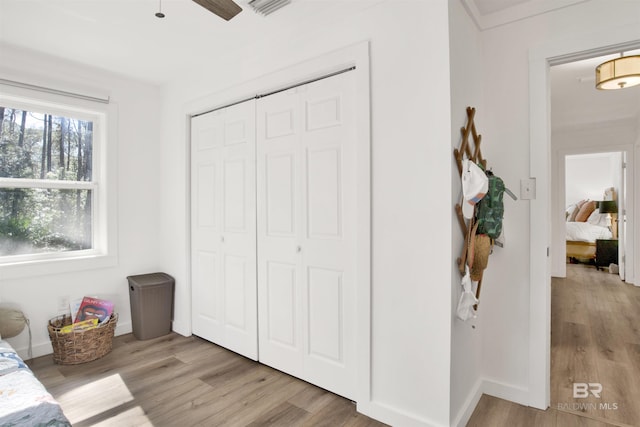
(584, 226)
(586, 232)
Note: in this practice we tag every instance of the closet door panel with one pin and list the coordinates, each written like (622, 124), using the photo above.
(280, 194)
(235, 173)
(281, 304)
(306, 211)
(326, 314)
(279, 270)
(235, 280)
(223, 228)
(329, 233)
(206, 296)
(324, 193)
(205, 309)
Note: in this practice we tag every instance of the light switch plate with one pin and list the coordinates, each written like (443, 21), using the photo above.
(528, 189)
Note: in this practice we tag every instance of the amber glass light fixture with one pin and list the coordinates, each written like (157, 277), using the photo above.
(618, 73)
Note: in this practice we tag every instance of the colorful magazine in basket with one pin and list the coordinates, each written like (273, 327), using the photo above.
(94, 308)
(82, 325)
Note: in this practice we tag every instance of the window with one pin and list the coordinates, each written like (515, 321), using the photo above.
(51, 186)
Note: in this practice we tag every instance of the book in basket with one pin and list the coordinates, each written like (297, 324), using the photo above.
(83, 325)
(94, 308)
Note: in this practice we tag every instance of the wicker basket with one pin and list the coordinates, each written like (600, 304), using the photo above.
(77, 347)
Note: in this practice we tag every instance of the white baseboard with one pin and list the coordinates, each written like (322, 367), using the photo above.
(505, 391)
(493, 388)
(393, 416)
(182, 328)
(44, 348)
(397, 417)
(464, 414)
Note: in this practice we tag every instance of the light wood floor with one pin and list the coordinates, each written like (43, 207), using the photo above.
(595, 338)
(179, 381)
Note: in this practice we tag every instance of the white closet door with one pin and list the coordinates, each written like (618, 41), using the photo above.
(307, 232)
(223, 233)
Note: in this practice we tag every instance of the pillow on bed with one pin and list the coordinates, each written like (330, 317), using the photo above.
(596, 218)
(574, 213)
(585, 211)
(12, 321)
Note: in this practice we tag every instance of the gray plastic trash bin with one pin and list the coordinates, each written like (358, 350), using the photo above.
(151, 298)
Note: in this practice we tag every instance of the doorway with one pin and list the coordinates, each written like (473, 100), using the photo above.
(591, 175)
(541, 167)
(589, 306)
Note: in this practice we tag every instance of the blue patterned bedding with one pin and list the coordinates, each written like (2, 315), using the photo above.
(23, 399)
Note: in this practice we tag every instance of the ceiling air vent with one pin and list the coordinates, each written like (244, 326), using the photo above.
(265, 7)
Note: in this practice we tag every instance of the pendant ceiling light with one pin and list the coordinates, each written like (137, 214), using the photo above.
(618, 73)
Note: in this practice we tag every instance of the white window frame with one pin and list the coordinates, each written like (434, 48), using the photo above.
(103, 251)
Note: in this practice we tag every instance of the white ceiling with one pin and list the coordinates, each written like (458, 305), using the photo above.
(125, 37)
(493, 13)
(575, 100)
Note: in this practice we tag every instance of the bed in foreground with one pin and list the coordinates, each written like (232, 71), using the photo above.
(23, 399)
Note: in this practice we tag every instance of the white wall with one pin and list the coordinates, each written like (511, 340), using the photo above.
(588, 175)
(136, 171)
(411, 159)
(508, 291)
(466, 91)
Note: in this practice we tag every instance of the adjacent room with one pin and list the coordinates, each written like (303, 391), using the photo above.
(593, 134)
(270, 177)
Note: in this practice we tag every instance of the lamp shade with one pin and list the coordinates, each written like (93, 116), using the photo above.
(608, 206)
(618, 73)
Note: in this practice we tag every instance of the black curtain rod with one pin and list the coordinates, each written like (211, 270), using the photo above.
(258, 96)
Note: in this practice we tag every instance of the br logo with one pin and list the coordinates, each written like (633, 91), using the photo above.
(582, 390)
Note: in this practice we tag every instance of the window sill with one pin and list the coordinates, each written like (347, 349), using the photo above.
(34, 268)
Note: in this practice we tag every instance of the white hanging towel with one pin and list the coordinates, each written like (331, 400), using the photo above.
(467, 299)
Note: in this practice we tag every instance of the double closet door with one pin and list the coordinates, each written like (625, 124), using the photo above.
(301, 286)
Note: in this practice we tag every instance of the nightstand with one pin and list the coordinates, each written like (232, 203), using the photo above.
(606, 252)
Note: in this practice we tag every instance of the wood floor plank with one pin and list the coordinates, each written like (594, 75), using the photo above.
(490, 411)
(183, 381)
(522, 416)
(129, 417)
(336, 413)
(576, 361)
(186, 381)
(312, 399)
(633, 353)
(609, 345)
(620, 392)
(595, 324)
(567, 419)
(262, 399)
(597, 350)
(285, 414)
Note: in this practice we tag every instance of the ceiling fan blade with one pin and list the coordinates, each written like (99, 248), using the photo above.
(225, 9)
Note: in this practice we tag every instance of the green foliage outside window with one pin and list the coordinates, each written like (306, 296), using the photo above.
(38, 150)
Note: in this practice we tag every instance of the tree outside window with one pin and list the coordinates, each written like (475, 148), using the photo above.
(47, 190)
